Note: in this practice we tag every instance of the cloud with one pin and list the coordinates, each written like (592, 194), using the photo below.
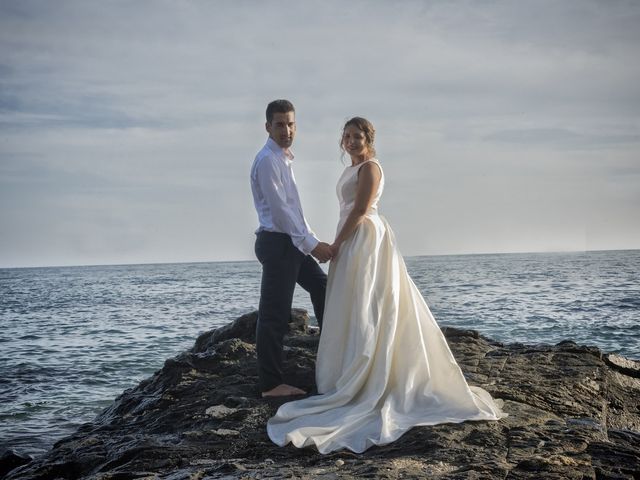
(561, 137)
(143, 118)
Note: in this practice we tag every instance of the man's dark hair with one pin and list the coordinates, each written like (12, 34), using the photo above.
(279, 106)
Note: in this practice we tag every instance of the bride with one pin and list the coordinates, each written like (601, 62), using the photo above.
(383, 364)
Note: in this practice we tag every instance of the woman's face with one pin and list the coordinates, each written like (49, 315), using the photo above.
(354, 141)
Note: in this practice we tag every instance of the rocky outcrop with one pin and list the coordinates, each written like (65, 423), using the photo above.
(574, 413)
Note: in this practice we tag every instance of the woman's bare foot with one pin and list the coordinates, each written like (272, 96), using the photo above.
(283, 390)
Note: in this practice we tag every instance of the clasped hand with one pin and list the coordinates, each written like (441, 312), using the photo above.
(324, 252)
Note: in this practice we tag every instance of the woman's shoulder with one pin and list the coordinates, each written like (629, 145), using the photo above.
(372, 164)
(372, 167)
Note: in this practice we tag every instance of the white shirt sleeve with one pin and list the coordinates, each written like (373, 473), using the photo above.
(284, 215)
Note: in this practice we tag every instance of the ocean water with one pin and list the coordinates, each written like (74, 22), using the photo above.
(73, 338)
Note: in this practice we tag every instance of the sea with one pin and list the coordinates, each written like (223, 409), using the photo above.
(73, 338)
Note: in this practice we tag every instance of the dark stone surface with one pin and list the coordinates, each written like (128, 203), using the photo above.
(574, 414)
(11, 460)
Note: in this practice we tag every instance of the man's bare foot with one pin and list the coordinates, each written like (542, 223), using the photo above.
(283, 390)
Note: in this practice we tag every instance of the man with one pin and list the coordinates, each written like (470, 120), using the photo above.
(284, 246)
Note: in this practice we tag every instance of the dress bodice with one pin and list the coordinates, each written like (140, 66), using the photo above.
(347, 188)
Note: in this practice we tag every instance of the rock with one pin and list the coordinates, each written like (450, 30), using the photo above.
(225, 432)
(11, 460)
(574, 413)
(220, 411)
(244, 328)
(623, 365)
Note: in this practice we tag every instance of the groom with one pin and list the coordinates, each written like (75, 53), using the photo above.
(284, 246)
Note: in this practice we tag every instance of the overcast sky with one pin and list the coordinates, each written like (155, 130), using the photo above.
(128, 128)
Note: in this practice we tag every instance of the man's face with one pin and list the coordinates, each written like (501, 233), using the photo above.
(282, 128)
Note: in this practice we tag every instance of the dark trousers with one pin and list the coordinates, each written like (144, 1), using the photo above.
(283, 265)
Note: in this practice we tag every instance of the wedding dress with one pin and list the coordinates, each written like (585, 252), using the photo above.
(383, 365)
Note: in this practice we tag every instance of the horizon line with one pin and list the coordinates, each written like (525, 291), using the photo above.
(255, 260)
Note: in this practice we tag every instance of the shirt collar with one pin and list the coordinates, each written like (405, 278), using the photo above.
(286, 155)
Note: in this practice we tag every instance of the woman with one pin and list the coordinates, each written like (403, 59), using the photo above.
(383, 364)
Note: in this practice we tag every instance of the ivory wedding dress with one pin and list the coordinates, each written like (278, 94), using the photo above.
(383, 364)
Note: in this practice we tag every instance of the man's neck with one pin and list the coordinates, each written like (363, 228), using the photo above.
(286, 151)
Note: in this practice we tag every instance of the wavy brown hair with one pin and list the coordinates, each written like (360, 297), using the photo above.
(366, 127)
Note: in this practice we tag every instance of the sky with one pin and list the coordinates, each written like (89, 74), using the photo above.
(128, 128)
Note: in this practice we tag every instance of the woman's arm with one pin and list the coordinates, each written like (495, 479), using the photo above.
(368, 180)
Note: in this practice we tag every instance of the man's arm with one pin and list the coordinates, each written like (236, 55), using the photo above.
(284, 215)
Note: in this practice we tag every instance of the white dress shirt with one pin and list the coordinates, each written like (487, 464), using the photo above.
(276, 198)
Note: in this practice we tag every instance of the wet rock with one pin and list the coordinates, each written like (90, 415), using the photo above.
(574, 413)
(11, 460)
